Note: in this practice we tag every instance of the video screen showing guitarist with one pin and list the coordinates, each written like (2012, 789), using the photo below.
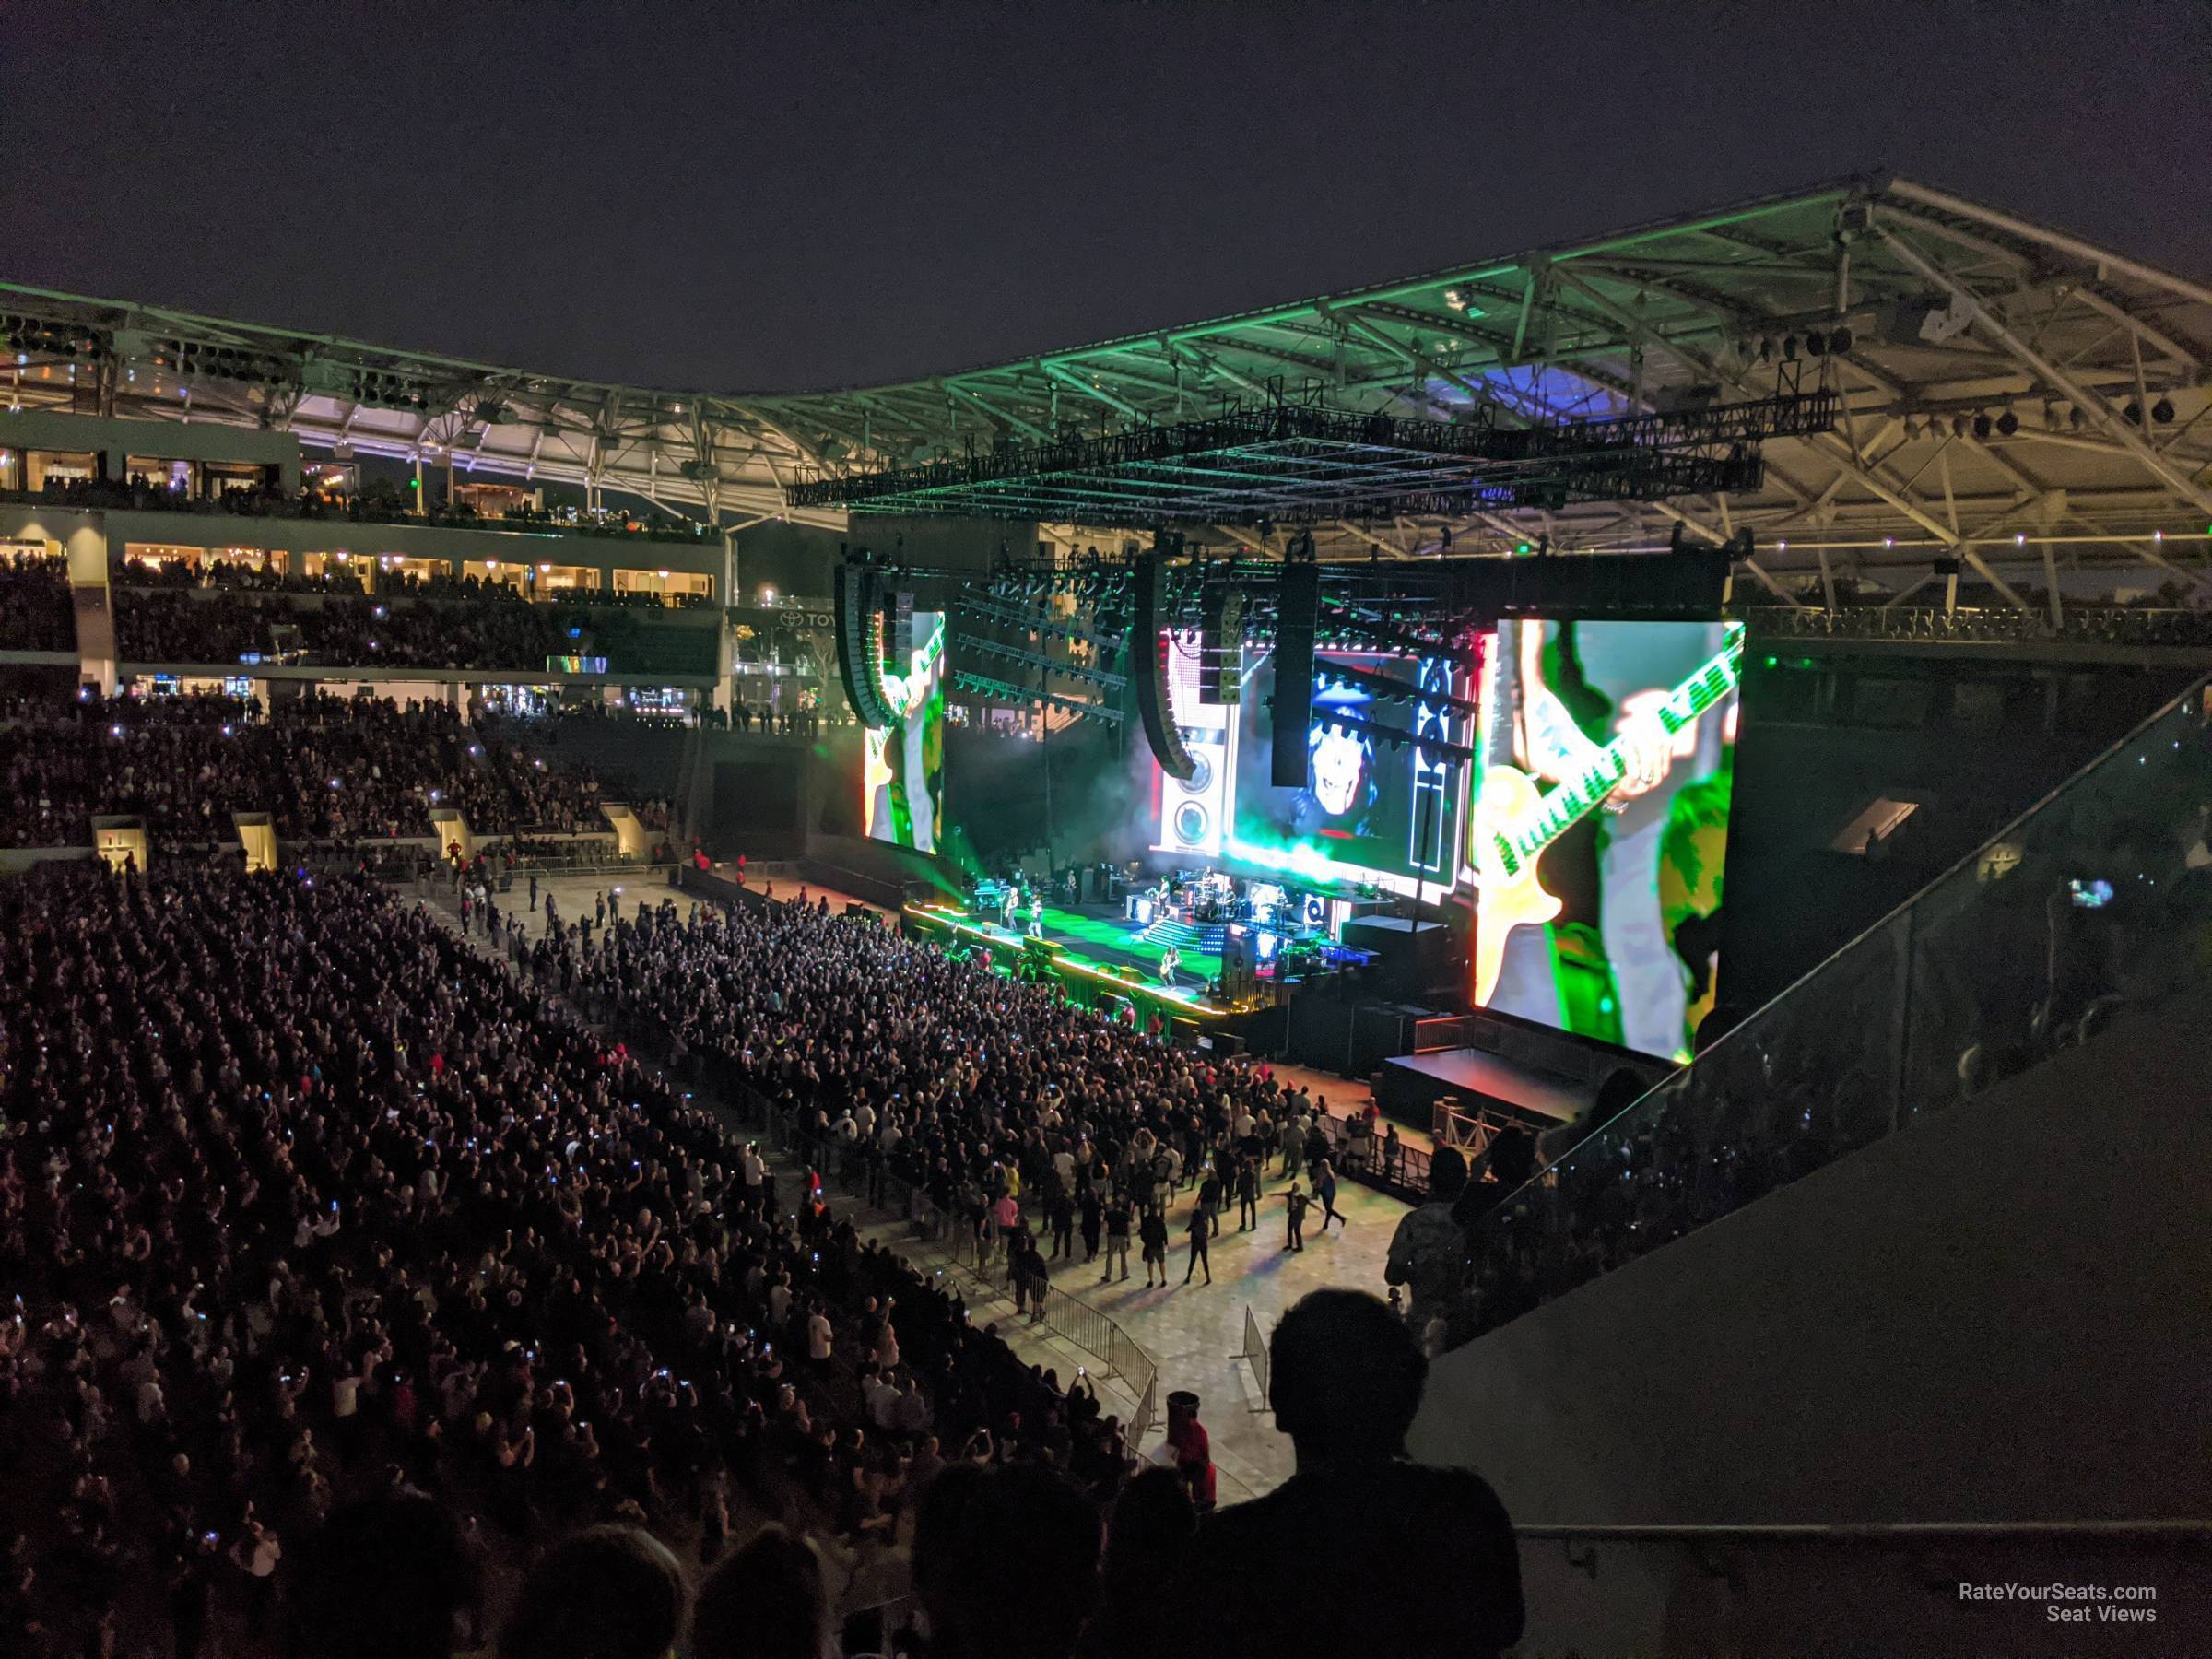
(1604, 812)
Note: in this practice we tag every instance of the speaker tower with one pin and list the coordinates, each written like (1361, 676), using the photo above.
(1148, 647)
(1297, 612)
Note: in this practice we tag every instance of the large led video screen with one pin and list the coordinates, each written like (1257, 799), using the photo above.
(1373, 812)
(1598, 826)
(902, 783)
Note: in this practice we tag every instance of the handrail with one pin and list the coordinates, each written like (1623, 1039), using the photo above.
(1863, 1532)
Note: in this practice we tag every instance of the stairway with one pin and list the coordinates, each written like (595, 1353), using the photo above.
(1191, 938)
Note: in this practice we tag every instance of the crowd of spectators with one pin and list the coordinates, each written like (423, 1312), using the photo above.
(379, 503)
(1004, 1109)
(370, 1300)
(176, 576)
(326, 768)
(35, 609)
(233, 622)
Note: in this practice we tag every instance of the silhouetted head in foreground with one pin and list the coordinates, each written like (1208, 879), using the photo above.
(382, 1579)
(1007, 1564)
(605, 1593)
(1347, 1379)
(764, 1602)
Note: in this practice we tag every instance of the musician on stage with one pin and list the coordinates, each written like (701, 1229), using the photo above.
(1170, 961)
(1568, 689)
(1036, 927)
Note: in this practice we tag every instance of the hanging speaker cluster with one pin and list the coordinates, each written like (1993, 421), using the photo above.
(860, 643)
(1148, 647)
(1221, 646)
(1297, 610)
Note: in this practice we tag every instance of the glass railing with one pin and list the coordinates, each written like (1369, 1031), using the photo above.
(2097, 898)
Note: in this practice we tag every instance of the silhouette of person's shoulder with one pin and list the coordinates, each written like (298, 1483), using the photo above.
(1432, 1550)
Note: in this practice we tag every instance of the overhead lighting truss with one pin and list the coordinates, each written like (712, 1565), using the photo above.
(1386, 689)
(989, 609)
(1104, 678)
(1295, 463)
(1002, 691)
(1394, 736)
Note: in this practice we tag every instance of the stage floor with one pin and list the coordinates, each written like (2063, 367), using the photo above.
(1486, 1076)
(1095, 935)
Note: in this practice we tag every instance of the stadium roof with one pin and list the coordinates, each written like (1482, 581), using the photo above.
(1988, 367)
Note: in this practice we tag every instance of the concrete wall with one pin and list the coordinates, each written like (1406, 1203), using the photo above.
(1998, 1315)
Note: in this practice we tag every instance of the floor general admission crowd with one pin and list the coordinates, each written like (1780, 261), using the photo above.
(374, 1302)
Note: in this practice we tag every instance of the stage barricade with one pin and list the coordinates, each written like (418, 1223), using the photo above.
(1256, 1353)
(947, 1239)
(1394, 1168)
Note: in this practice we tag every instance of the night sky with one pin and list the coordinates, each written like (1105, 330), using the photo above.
(793, 198)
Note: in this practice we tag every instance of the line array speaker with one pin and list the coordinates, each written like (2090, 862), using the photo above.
(1296, 609)
(1148, 647)
(1222, 647)
(860, 645)
(898, 624)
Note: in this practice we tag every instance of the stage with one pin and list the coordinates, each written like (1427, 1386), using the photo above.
(1090, 947)
(1410, 1085)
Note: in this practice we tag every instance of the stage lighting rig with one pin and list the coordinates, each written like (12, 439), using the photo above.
(1099, 637)
(1386, 689)
(1104, 678)
(1339, 627)
(1003, 691)
(1395, 736)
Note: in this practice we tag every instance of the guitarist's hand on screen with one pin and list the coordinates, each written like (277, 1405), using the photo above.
(1649, 748)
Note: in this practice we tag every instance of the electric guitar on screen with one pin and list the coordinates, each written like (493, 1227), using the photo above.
(1514, 821)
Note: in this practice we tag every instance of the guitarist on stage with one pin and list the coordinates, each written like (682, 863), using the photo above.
(1565, 690)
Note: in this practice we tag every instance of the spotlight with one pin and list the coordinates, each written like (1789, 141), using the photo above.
(1789, 348)
(1766, 349)
(1982, 423)
(2076, 418)
(1816, 343)
(1960, 426)
(2133, 415)
(2008, 423)
(2162, 411)
(1839, 341)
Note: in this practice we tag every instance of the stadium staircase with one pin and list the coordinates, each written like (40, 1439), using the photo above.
(1190, 938)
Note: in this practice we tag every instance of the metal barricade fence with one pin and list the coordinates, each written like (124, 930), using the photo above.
(950, 1237)
(1394, 1168)
(1140, 1421)
(1256, 1352)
